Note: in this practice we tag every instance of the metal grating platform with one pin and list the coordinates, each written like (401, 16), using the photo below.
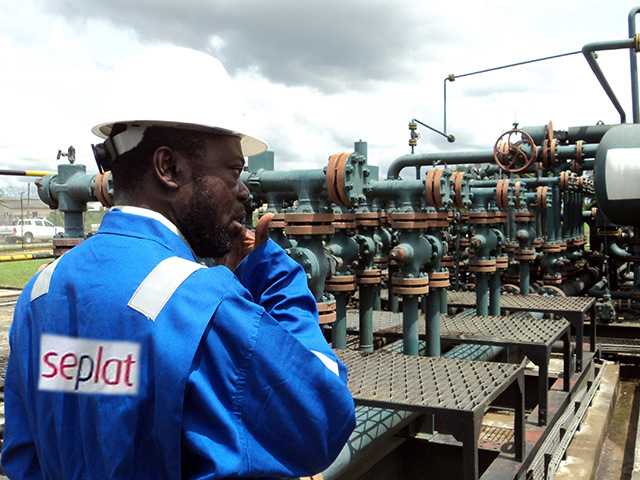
(499, 330)
(534, 337)
(573, 309)
(457, 392)
(526, 302)
(496, 329)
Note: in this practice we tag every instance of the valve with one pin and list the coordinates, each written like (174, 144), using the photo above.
(509, 154)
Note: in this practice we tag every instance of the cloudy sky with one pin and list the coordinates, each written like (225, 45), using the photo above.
(318, 75)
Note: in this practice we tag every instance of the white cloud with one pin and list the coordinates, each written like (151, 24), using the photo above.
(55, 71)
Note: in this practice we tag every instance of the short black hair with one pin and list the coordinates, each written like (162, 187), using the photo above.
(130, 167)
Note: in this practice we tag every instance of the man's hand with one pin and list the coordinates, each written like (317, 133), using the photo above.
(244, 245)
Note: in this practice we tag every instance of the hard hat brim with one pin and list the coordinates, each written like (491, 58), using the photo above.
(250, 145)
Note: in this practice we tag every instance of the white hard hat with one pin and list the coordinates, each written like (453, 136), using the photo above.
(173, 87)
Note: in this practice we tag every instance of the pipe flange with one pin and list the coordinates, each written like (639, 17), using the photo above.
(483, 266)
(500, 217)
(502, 194)
(326, 312)
(458, 179)
(409, 220)
(447, 261)
(344, 221)
(309, 224)
(551, 247)
(541, 197)
(63, 245)
(341, 283)
(439, 279)
(502, 262)
(564, 181)
(382, 262)
(369, 219)
(277, 221)
(432, 187)
(479, 218)
(525, 255)
(101, 189)
(371, 276)
(439, 219)
(335, 179)
(524, 217)
(410, 286)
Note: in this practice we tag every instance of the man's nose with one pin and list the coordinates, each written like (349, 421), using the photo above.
(243, 192)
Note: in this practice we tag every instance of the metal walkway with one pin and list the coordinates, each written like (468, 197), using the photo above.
(535, 337)
(573, 309)
(456, 392)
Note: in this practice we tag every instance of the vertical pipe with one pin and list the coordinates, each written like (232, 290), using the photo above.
(457, 260)
(73, 224)
(557, 208)
(494, 293)
(361, 148)
(551, 220)
(636, 265)
(377, 302)
(443, 301)
(525, 277)
(393, 299)
(433, 322)
(410, 335)
(482, 294)
(367, 298)
(634, 66)
(339, 327)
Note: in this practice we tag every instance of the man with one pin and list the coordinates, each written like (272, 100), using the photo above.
(131, 360)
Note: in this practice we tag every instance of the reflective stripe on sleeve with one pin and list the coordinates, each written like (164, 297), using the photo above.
(156, 290)
(330, 364)
(41, 285)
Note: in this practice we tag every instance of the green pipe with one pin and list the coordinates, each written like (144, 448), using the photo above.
(525, 277)
(339, 327)
(443, 301)
(432, 305)
(588, 52)
(494, 294)
(367, 300)
(410, 315)
(634, 66)
(426, 159)
(482, 294)
(377, 303)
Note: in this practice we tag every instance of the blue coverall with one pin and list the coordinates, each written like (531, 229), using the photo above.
(131, 360)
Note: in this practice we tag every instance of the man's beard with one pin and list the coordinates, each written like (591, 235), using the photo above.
(199, 224)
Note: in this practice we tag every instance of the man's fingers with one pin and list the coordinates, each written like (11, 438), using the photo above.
(262, 229)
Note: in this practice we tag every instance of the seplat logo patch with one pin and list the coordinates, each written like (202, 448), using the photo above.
(79, 365)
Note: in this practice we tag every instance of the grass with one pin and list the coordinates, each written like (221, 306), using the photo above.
(16, 274)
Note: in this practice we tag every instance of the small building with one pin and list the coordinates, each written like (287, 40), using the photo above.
(12, 209)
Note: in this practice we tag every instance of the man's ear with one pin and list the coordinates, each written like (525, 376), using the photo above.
(170, 167)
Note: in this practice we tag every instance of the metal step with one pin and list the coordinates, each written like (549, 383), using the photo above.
(456, 392)
(535, 337)
(573, 309)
